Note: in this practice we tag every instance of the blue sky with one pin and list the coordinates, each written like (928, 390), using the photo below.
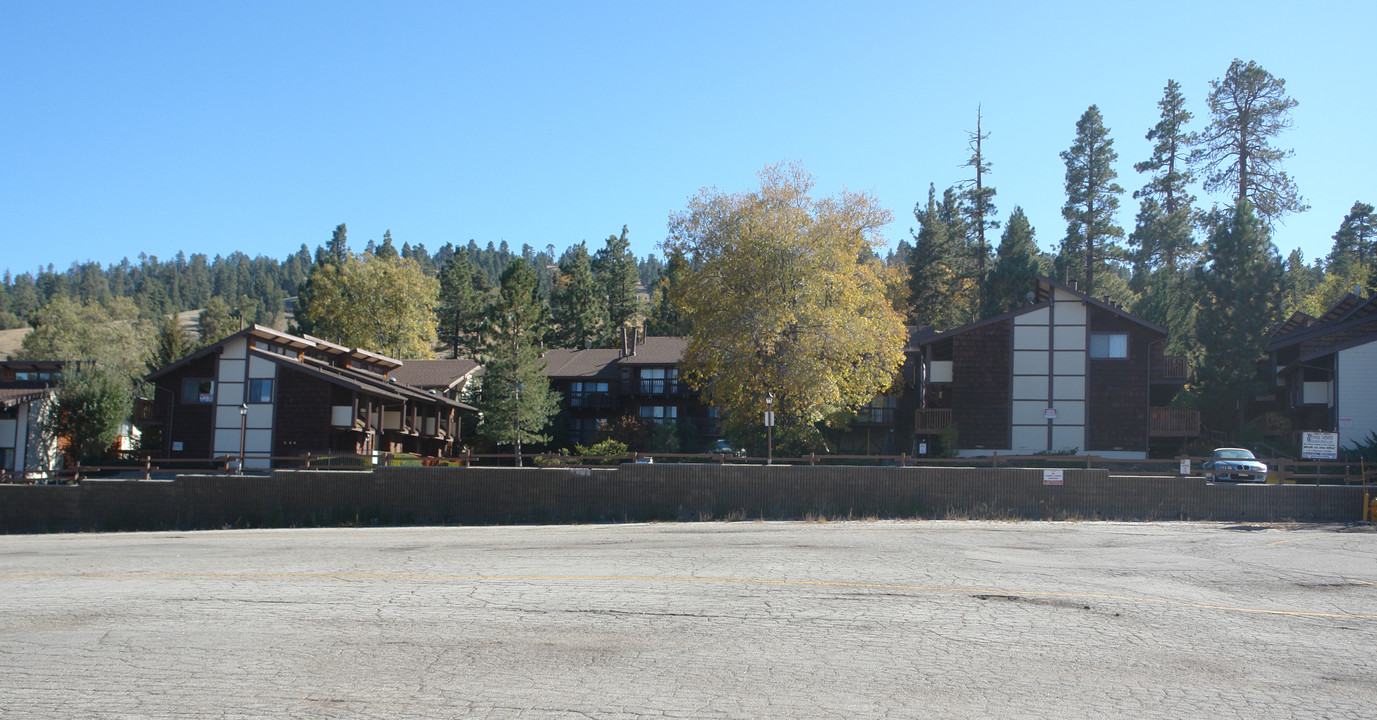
(213, 127)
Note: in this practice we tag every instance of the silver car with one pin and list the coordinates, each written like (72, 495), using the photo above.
(1234, 465)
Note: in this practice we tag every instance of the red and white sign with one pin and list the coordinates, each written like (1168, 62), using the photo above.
(1053, 477)
(1050, 413)
(1185, 466)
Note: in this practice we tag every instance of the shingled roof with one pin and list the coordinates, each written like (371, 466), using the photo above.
(434, 374)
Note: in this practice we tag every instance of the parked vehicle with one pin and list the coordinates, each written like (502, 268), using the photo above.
(1234, 465)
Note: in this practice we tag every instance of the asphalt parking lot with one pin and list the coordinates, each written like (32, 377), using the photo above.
(703, 620)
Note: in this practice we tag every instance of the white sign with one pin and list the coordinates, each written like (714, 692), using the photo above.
(769, 418)
(1050, 413)
(1185, 466)
(1319, 445)
(1053, 477)
(1345, 422)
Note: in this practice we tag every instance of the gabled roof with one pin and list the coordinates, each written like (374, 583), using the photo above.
(1351, 312)
(604, 363)
(581, 363)
(325, 369)
(656, 351)
(1297, 321)
(428, 374)
(1040, 297)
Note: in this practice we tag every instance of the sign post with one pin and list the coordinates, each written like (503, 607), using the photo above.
(1319, 446)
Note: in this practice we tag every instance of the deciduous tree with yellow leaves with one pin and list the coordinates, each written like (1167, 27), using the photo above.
(785, 297)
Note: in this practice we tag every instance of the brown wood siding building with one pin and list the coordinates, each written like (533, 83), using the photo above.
(981, 379)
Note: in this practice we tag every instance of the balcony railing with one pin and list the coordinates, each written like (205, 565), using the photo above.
(1165, 422)
(1170, 369)
(931, 421)
(590, 399)
(868, 415)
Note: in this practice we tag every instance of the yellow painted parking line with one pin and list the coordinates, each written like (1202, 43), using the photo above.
(741, 581)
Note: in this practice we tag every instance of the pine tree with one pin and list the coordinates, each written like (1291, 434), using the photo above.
(386, 250)
(579, 316)
(615, 269)
(1353, 243)
(216, 321)
(666, 314)
(517, 400)
(1015, 267)
(459, 309)
(338, 249)
(1163, 235)
(1248, 107)
(979, 202)
(1239, 304)
(1092, 199)
(941, 288)
(171, 343)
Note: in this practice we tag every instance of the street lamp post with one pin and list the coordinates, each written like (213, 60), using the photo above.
(243, 426)
(769, 428)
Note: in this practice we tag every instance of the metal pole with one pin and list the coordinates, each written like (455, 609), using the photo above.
(769, 429)
(243, 425)
(516, 424)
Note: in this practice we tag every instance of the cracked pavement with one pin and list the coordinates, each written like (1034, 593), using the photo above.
(702, 620)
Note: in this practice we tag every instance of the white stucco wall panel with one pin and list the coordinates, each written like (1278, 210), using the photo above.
(1068, 362)
(1033, 387)
(1031, 337)
(1031, 362)
(1356, 394)
(1029, 439)
(1067, 437)
(1069, 387)
(1040, 316)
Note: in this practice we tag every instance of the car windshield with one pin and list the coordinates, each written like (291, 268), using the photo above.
(1234, 454)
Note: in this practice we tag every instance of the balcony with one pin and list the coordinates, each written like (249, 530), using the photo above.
(871, 415)
(1170, 369)
(931, 421)
(590, 400)
(1165, 422)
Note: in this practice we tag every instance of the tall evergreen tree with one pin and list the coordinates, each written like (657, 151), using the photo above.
(216, 321)
(1092, 198)
(1248, 107)
(1163, 236)
(666, 313)
(940, 286)
(171, 343)
(979, 201)
(517, 400)
(1298, 283)
(1353, 243)
(338, 249)
(387, 251)
(1015, 267)
(615, 268)
(459, 309)
(580, 318)
(1239, 303)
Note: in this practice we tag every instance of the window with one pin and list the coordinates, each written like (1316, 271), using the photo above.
(260, 391)
(195, 391)
(660, 413)
(587, 393)
(878, 411)
(1109, 345)
(659, 381)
